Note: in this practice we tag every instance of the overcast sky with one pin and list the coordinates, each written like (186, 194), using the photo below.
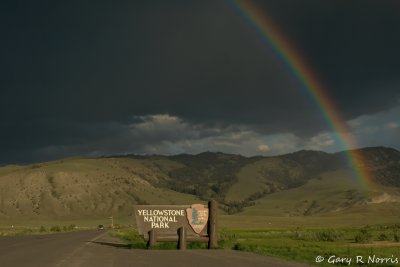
(166, 77)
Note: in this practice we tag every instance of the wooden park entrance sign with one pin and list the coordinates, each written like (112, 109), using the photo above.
(178, 223)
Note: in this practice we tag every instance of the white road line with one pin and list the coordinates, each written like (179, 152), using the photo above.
(77, 249)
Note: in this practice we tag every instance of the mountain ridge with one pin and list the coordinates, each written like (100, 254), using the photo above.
(90, 187)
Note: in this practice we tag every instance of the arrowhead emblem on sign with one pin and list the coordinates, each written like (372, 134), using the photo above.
(197, 216)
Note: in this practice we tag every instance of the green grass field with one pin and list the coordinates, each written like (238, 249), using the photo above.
(371, 245)
(305, 245)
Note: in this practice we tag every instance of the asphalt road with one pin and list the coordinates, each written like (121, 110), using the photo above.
(98, 249)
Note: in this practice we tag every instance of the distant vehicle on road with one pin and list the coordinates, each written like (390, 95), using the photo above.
(100, 227)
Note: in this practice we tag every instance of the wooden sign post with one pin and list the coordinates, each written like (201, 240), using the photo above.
(178, 223)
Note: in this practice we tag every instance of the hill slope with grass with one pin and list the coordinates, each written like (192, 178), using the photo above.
(303, 183)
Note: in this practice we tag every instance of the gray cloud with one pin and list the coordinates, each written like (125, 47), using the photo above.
(380, 129)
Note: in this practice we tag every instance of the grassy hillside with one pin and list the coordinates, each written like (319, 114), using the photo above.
(334, 193)
(84, 188)
(301, 184)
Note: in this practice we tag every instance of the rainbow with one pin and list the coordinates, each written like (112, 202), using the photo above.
(297, 65)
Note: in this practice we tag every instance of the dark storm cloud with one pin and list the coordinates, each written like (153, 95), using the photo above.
(351, 45)
(76, 75)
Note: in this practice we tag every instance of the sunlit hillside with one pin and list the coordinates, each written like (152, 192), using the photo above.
(305, 183)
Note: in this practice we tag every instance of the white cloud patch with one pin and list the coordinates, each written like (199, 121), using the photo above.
(263, 148)
(322, 141)
(158, 126)
(168, 134)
